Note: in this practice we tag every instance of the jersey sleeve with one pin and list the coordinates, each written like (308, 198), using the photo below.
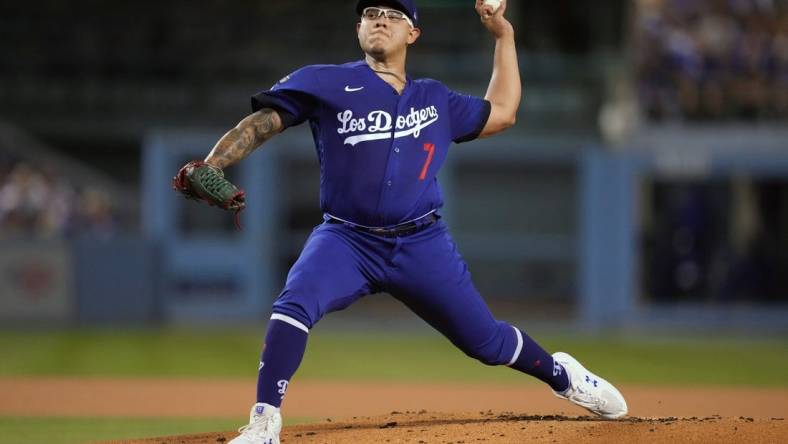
(295, 97)
(468, 115)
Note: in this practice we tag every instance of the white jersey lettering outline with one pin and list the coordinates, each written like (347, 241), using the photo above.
(380, 124)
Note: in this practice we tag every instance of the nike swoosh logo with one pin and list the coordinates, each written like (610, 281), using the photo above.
(350, 90)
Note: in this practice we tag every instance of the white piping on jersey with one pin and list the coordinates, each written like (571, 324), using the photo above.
(294, 322)
(353, 140)
(519, 348)
(379, 228)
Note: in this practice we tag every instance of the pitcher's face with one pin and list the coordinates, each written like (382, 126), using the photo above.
(384, 31)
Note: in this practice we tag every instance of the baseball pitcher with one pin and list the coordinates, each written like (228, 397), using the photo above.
(381, 138)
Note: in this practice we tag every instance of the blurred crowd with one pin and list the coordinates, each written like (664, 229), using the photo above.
(713, 59)
(38, 202)
(717, 241)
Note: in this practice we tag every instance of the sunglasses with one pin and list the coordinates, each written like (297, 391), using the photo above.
(373, 13)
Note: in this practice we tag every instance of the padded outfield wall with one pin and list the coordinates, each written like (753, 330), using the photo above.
(540, 222)
(552, 229)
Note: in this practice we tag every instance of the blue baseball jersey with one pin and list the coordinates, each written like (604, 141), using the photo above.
(379, 151)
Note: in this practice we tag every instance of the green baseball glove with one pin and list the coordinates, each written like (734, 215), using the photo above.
(199, 181)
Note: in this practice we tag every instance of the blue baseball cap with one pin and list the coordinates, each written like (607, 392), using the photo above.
(406, 6)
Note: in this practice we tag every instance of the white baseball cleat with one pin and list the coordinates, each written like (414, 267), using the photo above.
(589, 390)
(265, 423)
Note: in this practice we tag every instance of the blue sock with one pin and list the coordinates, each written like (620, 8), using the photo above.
(285, 343)
(533, 360)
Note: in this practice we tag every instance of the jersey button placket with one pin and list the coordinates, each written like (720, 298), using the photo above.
(391, 163)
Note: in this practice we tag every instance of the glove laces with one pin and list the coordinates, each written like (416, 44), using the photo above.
(217, 185)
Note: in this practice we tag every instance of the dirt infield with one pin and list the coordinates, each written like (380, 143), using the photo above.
(489, 427)
(368, 412)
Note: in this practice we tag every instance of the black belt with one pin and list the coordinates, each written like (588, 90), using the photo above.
(405, 229)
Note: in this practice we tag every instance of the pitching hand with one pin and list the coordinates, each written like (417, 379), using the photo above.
(495, 22)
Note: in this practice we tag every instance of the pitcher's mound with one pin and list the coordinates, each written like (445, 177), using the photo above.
(507, 427)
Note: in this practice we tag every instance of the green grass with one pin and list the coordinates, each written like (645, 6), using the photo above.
(150, 353)
(345, 356)
(81, 430)
(26, 430)
(711, 362)
(384, 356)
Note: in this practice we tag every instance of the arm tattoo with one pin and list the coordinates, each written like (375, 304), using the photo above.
(249, 134)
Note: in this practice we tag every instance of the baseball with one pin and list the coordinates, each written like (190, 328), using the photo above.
(495, 4)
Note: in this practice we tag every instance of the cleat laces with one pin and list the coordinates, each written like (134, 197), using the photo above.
(588, 399)
(258, 429)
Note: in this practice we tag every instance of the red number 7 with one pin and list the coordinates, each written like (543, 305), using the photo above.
(430, 148)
